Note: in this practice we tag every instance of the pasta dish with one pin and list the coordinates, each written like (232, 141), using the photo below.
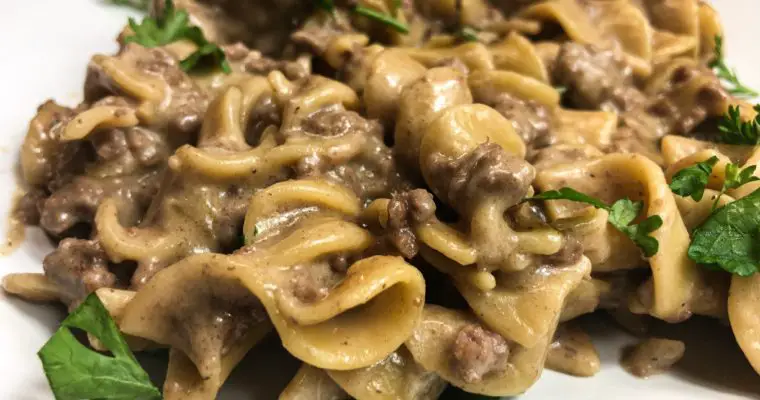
(414, 196)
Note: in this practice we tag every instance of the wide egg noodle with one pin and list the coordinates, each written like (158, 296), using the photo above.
(374, 306)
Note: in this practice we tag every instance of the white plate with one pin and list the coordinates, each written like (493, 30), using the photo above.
(45, 47)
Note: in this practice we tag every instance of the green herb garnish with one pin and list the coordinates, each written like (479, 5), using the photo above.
(735, 131)
(735, 178)
(76, 372)
(162, 30)
(207, 55)
(621, 215)
(173, 25)
(726, 74)
(692, 181)
(728, 239)
(382, 17)
(468, 33)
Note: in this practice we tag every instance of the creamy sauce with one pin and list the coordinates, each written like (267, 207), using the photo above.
(15, 231)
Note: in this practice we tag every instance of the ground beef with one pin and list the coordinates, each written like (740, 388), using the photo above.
(45, 159)
(252, 61)
(27, 210)
(330, 122)
(109, 144)
(228, 222)
(78, 201)
(486, 170)
(670, 112)
(78, 267)
(72, 204)
(186, 103)
(316, 37)
(310, 283)
(478, 352)
(634, 141)
(147, 147)
(596, 78)
(653, 356)
(405, 210)
(532, 121)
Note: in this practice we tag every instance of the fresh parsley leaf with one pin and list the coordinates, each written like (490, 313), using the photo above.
(162, 30)
(173, 25)
(621, 215)
(623, 212)
(468, 33)
(382, 17)
(207, 55)
(691, 181)
(728, 75)
(728, 238)
(736, 178)
(735, 131)
(567, 193)
(76, 372)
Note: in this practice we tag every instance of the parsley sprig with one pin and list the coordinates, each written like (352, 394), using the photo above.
(728, 75)
(692, 181)
(727, 239)
(173, 25)
(621, 215)
(76, 372)
(735, 131)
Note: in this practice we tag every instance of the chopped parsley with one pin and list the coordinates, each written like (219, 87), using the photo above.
(621, 215)
(173, 25)
(76, 372)
(727, 239)
(728, 75)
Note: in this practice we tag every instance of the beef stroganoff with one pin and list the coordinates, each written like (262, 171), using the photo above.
(311, 169)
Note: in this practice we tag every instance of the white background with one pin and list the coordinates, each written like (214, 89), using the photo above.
(45, 46)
